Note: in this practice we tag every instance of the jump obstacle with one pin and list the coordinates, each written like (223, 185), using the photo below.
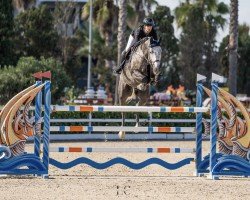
(13, 162)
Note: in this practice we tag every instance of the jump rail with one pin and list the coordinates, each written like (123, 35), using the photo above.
(122, 150)
(144, 109)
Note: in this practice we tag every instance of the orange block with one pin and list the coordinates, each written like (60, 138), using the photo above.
(76, 128)
(163, 150)
(164, 129)
(177, 109)
(75, 149)
(86, 108)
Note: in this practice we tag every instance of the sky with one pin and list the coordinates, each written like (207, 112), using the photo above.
(244, 10)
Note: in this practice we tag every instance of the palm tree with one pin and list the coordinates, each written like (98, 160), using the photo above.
(121, 28)
(104, 17)
(121, 37)
(233, 46)
(212, 9)
(213, 20)
(137, 10)
(207, 16)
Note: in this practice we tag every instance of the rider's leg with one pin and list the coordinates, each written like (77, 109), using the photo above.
(120, 66)
(131, 41)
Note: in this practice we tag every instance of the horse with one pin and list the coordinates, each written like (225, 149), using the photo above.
(141, 70)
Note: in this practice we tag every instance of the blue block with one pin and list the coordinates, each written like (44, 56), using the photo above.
(150, 150)
(100, 109)
(61, 149)
(177, 150)
(150, 129)
(89, 149)
(90, 128)
(178, 129)
(191, 109)
(62, 128)
(162, 109)
(71, 108)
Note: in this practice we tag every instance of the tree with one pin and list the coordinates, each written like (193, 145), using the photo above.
(6, 33)
(169, 43)
(200, 22)
(14, 79)
(243, 83)
(122, 26)
(105, 18)
(137, 10)
(71, 39)
(213, 21)
(121, 38)
(191, 46)
(243, 71)
(35, 33)
(233, 47)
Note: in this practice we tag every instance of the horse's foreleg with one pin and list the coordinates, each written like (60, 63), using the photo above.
(121, 134)
(137, 120)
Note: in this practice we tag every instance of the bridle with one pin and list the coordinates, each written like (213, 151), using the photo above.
(148, 60)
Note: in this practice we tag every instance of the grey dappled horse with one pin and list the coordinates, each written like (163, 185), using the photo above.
(138, 73)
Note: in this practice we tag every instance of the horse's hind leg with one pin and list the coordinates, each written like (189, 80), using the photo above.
(121, 134)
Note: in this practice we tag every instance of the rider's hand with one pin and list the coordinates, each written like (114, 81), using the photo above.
(124, 53)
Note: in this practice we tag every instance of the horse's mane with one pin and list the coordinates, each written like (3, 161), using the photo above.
(137, 44)
(152, 43)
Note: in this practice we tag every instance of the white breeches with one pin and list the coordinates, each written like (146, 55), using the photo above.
(130, 42)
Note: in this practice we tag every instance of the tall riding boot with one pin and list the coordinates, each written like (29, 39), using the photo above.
(119, 68)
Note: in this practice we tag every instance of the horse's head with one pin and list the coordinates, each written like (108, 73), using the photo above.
(154, 57)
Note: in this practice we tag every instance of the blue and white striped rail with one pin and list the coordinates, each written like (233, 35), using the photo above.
(122, 149)
(122, 128)
(129, 109)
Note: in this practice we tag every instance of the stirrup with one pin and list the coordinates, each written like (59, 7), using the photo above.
(117, 72)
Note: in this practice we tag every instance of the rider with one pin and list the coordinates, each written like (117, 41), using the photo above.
(144, 30)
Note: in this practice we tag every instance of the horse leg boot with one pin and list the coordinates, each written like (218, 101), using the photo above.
(121, 134)
(137, 120)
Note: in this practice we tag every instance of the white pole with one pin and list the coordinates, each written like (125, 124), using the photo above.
(90, 41)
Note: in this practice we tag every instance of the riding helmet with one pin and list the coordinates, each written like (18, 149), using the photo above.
(148, 21)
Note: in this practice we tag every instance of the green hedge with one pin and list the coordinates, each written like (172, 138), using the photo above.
(113, 115)
(109, 115)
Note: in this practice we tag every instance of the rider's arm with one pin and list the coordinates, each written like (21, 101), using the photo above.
(133, 38)
(136, 33)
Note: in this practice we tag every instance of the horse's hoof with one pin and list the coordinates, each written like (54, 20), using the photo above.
(121, 135)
